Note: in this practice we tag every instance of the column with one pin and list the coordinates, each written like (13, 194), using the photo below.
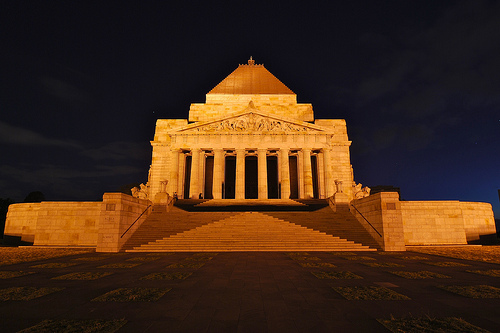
(308, 185)
(182, 176)
(194, 187)
(218, 173)
(174, 172)
(262, 173)
(329, 190)
(300, 173)
(285, 174)
(240, 174)
(321, 175)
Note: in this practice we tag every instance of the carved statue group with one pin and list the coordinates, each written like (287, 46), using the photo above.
(360, 191)
(252, 122)
(141, 192)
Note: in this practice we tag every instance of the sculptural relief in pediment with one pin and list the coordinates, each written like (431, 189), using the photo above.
(252, 122)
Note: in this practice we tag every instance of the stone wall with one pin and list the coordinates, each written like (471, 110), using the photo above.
(383, 212)
(433, 222)
(97, 224)
(479, 222)
(67, 223)
(221, 105)
(118, 213)
(21, 221)
(54, 223)
(447, 222)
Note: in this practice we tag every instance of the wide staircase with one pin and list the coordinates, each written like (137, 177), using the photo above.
(250, 225)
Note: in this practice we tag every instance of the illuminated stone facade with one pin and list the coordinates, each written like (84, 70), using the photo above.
(250, 140)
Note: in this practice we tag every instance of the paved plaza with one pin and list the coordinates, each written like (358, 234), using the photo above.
(247, 291)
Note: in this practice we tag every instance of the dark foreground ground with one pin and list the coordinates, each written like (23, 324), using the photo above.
(247, 291)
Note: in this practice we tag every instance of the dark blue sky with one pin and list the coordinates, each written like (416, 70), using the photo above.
(418, 82)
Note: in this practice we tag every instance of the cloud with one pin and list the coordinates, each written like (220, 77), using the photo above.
(458, 53)
(118, 151)
(47, 173)
(63, 90)
(64, 181)
(21, 136)
(434, 81)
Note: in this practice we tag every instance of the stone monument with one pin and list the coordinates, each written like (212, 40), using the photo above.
(251, 140)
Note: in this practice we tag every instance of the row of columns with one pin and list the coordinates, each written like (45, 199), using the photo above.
(218, 174)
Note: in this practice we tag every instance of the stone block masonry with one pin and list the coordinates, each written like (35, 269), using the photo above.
(54, 223)
(118, 212)
(425, 222)
(93, 224)
(383, 212)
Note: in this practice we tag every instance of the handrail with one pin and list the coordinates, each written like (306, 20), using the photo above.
(137, 219)
(366, 220)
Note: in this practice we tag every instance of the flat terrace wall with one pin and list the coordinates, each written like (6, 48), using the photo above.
(479, 222)
(54, 223)
(68, 223)
(94, 224)
(21, 221)
(448, 222)
(425, 222)
(433, 222)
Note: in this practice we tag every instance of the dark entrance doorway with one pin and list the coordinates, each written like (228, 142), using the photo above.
(230, 178)
(294, 178)
(187, 177)
(209, 177)
(314, 167)
(251, 181)
(272, 177)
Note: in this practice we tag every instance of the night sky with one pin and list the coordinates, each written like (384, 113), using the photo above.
(83, 82)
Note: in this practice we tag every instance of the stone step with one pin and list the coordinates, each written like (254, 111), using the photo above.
(232, 249)
(250, 231)
(276, 229)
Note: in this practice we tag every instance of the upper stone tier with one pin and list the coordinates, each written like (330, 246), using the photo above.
(250, 82)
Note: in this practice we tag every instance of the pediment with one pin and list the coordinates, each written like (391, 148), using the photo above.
(249, 121)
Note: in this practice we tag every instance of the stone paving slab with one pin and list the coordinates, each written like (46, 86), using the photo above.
(250, 292)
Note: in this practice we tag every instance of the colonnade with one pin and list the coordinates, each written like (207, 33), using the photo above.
(308, 181)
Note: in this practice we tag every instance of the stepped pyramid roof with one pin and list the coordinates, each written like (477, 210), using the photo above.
(251, 79)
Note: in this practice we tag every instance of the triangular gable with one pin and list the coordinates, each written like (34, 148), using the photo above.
(251, 120)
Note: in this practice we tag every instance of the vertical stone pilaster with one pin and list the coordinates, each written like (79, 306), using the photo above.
(262, 171)
(194, 187)
(329, 187)
(285, 174)
(240, 174)
(218, 173)
(308, 185)
(174, 172)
